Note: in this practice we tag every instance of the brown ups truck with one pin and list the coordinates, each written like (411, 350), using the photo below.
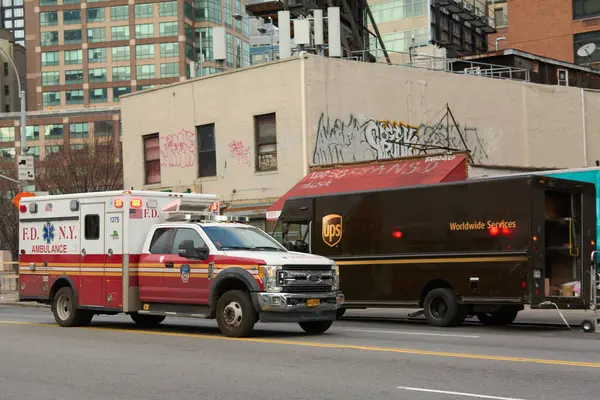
(482, 248)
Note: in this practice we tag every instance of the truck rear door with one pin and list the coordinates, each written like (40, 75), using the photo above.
(113, 275)
(93, 256)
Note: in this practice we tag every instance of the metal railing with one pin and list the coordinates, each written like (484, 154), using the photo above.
(450, 65)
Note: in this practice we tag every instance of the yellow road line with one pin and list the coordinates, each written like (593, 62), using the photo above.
(336, 346)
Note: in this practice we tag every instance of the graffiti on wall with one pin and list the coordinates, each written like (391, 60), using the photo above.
(239, 151)
(178, 150)
(355, 140)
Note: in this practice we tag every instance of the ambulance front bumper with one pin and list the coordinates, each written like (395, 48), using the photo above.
(298, 307)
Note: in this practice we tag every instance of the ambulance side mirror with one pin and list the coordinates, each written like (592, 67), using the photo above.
(187, 250)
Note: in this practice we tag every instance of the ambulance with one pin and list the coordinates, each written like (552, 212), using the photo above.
(152, 254)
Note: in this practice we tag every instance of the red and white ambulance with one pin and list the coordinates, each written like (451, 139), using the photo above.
(154, 254)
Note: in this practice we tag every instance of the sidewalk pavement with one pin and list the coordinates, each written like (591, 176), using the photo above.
(12, 299)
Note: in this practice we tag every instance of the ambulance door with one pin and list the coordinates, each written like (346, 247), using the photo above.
(113, 247)
(92, 256)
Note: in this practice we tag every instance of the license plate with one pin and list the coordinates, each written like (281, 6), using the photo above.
(313, 302)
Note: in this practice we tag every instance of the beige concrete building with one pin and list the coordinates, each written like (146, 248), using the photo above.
(250, 135)
(10, 100)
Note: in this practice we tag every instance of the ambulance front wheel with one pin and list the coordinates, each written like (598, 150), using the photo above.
(65, 309)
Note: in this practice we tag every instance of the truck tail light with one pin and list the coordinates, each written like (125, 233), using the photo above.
(524, 285)
(397, 234)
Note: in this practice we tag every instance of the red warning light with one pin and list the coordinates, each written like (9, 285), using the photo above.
(506, 231)
(135, 203)
(23, 208)
(397, 234)
(118, 203)
(494, 230)
(523, 284)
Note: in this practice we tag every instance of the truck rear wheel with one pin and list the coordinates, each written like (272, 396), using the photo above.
(501, 317)
(315, 327)
(236, 315)
(442, 309)
(65, 309)
(147, 321)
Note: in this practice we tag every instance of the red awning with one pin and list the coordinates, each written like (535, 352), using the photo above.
(382, 175)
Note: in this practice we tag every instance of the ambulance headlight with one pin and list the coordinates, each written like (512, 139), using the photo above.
(269, 275)
(336, 277)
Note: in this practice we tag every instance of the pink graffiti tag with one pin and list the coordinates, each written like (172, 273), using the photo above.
(178, 149)
(240, 152)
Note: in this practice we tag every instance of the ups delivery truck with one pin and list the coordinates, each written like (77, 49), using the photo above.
(482, 248)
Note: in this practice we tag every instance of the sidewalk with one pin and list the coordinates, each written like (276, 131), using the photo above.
(12, 299)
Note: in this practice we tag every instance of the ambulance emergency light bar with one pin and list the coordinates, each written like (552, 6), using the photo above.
(188, 209)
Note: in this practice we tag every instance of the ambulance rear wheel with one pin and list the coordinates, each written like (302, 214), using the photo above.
(65, 309)
(147, 321)
(236, 315)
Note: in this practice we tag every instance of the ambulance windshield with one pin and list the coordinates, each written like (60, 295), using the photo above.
(241, 238)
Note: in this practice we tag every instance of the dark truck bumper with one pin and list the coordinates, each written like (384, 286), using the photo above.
(294, 307)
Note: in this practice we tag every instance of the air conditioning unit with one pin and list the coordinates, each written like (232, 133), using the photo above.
(562, 76)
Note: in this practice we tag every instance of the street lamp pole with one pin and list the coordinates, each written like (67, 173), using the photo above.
(23, 112)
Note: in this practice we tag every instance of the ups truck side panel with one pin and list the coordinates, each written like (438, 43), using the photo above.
(392, 245)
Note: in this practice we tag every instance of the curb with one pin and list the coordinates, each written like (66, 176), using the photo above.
(19, 304)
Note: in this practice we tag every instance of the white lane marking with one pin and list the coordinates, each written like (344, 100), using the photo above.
(413, 333)
(480, 396)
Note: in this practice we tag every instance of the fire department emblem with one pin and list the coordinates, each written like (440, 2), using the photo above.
(332, 229)
(48, 233)
(185, 273)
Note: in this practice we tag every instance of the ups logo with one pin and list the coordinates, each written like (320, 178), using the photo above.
(332, 229)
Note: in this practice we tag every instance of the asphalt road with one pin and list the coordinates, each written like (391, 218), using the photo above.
(189, 359)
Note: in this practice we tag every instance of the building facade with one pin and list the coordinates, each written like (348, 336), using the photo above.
(12, 52)
(88, 54)
(573, 23)
(199, 135)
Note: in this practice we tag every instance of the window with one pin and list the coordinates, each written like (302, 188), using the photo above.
(229, 46)
(189, 31)
(53, 150)
(119, 32)
(160, 240)
(144, 87)
(121, 74)
(501, 18)
(71, 1)
(74, 97)
(144, 51)
(95, 15)
(207, 156)
(145, 72)
(236, 237)
(144, 31)
(152, 159)
(98, 95)
(189, 51)
(50, 78)
(7, 134)
(92, 227)
(168, 29)
(74, 77)
(168, 50)
(402, 40)
(265, 133)
(583, 38)
(5, 69)
(246, 54)
(208, 11)
(228, 14)
(238, 11)
(72, 17)
(188, 11)
(49, 18)
(182, 234)
(169, 70)
(586, 9)
(96, 35)
(32, 132)
(97, 55)
(44, 3)
(73, 56)
(104, 128)
(34, 151)
(121, 53)
(238, 52)
(393, 10)
(7, 153)
(167, 9)
(73, 36)
(119, 13)
(49, 38)
(6, 90)
(145, 10)
(50, 99)
(78, 130)
(120, 91)
(54, 131)
(96, 75)
(204, 42)
(6, 108)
